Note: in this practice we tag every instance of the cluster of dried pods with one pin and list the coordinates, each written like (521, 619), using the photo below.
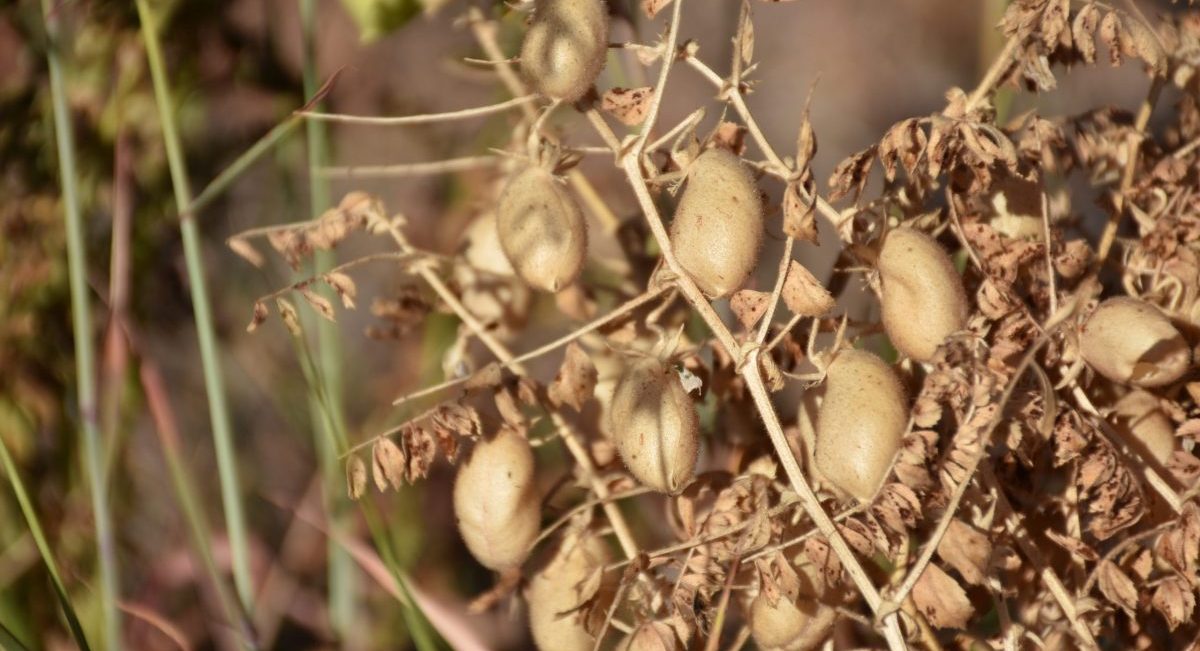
(1034, 441)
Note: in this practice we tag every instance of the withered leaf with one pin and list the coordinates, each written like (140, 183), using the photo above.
(509, 410)
(388, 463)
(822, 557)
(246, 251)
(260, 315)
(1080, 550)
(344, 286)
(486, 377)
(318, 303)
(287, 312)
(1175, 600)
(729, 135)
(652, 7)
(799, 215)
(1110, 35)
(804, 294)
(749, 305)
(576, 380)
(967, 550)
(1083, 29)
(356, 477)
(851, 174)
(1117, 587)
(629, 105)
(941, 599)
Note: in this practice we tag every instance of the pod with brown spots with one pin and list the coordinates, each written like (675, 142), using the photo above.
(860, 423)
(922, 294)
(565, 47)
(718, 227)
(495, 501)
(654, 425)
(541, 230)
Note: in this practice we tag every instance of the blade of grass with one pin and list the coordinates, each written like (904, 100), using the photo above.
(9, 641)
(39, 539)
(81, 322)
(341, 569)
(214, 383)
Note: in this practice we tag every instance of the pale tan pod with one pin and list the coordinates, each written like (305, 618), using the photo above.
(718, 227)
(483, 250)
(790, 626)
(541, 230)
(651, 636)
(922, 293)
(495, 501)
(555, 589)
(860, 424)
(654, 425)
(1132, 342)
(1148, 428)
(565, 47)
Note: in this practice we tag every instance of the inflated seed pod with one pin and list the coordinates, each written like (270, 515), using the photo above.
(496, 503)
(1132, 342)
(651, 636)
(654, 425)
(541, 230)
(565, 47)
(718, 227)
(1148, 428)
(922, 294)
(483, 250)
(791, 624)
(860, 423)
(555, 589)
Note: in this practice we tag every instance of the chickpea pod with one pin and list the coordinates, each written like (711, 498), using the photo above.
(651, 636)
(860, 423)
(1149, 430)
(565, 47)
(496, 503)
(1132, 342)
(554, 590)
(718, 227)
(922, 294)
(654, 425)
(795, 622)
(541, 230)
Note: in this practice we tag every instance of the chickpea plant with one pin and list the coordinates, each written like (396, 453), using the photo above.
(1021, 473)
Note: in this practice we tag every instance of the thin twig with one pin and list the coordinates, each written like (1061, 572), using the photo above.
(427, 118)
(424, 168)
(1109, 235)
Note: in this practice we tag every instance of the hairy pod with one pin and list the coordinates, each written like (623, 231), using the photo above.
(556, 589)
(541, 230)
(1146, 426)
(651, 636)
(794, 622)
(496, 502)
(565, 47)
(860, 423)
(718, 227)
(922, 294)
(1132, 342)
(654, 425)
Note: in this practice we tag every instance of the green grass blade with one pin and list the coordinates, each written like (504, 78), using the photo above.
(8, 641)
(214, 383)
(85, 359)
(222, 181)
(341, 567)
(39, 539)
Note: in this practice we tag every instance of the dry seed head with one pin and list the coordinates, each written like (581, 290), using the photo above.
(1146, 426)
(654, 425)
(557, 589)
(1132, 342)
(496, 502)
(860, 423)
(718, 227)
(541, 230)
(565, 47)
(922, 293)
(651, 636)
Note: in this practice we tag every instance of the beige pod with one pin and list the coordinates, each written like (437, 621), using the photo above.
(718, 227)
(565, 47)
(1132, 342)
(541, 230)
(860, 423)
(1147, 427)
(655, 426)
(554, 591)
(922, 294)
(651, 636)
(795, 622)
(495, 501)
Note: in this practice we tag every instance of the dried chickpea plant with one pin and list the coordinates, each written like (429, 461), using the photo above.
(1024, 475)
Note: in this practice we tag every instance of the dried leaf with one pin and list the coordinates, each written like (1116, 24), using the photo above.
(260, 315)
(1117, 587)
(1175, 600)
(356, 476)
(1079, 550)
(246, 250)
(318, 303)
(344, 286)
(1083, 29)
(967, 550)
(576, 380)
(629, 105)
(804, 294)
(287, 312)
(509, 410)
(1110, 35)
(749, 306)
(799, 216)
(388, 463)
(652, 7)
(486, 377)
(941, 600)
(851, 174)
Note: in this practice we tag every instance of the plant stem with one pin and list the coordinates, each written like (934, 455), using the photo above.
(85, 360)
(340, 570)
(214, 383)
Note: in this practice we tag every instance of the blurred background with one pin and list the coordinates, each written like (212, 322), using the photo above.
(236, 71)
